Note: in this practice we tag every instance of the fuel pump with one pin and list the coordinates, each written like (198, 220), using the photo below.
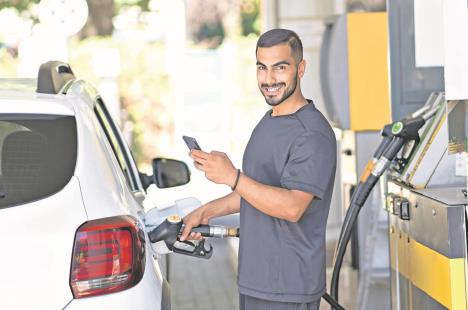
(395, 137)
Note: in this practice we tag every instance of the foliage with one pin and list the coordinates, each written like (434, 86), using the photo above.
(23, 5)
(250, 17)
(8, 63)
(204, 22)
(210, 21)
(144, 90)
(20, 5)
(143, 4)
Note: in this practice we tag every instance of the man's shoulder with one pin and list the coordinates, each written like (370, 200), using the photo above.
(313, 121)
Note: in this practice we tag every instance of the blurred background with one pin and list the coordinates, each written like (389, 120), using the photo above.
(168, 68)
(165, 68)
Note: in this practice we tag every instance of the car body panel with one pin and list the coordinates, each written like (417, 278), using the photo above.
(98, 187)
(105, 192)
(147, 294)
(36, 241)
(27, 105)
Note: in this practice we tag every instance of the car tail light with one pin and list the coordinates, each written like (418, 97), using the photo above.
(108, 256)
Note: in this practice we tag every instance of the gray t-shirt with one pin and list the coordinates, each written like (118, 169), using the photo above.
(281, 260)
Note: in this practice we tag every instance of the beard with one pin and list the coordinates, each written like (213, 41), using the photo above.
(287, 93)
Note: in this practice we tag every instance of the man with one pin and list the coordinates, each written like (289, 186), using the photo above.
(284, 190)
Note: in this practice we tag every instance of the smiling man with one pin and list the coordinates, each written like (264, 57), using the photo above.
(284, 191)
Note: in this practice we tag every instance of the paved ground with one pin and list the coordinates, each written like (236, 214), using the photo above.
(211, 284)
(204, 283)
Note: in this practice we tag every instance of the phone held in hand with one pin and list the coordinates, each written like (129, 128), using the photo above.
(191, 143)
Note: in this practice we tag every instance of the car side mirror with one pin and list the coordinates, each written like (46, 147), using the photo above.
(170, 172)
(166, 173)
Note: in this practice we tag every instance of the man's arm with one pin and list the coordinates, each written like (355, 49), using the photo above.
(226, 205)
(278, 202)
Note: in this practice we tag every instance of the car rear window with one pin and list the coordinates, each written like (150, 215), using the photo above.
(37, 156)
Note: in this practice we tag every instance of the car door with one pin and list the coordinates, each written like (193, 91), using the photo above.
(127, 164)
(120, 149)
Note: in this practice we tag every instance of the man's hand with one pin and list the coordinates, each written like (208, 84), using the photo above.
(193, 219)
(217, 166)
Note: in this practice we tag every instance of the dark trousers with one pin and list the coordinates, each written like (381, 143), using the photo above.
(252, 303)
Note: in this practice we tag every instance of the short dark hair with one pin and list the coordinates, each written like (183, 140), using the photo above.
(279, 36)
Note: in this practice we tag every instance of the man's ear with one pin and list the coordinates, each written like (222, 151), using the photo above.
(301, 68)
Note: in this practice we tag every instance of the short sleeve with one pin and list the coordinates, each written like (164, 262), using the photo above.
(311, 164)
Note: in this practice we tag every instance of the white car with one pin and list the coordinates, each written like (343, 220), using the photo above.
(72, 232)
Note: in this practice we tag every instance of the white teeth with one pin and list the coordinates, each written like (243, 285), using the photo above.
(272, 89)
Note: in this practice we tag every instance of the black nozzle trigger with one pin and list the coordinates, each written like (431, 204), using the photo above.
(190, 248)
(169, 230)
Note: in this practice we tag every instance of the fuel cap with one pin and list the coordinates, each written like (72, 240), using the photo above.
(174, 219)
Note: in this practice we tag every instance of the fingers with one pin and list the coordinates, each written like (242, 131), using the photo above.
(199, 155)
(198, 166)
(185, 232)
(196, 236)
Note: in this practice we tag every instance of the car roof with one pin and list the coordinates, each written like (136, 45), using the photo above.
(19, 96)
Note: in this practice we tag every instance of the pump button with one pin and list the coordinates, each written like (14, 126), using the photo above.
(404, 210)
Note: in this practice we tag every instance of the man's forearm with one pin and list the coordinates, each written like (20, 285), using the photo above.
(275, 201)
(226, 205)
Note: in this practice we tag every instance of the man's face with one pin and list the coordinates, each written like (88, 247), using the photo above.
(277, 73)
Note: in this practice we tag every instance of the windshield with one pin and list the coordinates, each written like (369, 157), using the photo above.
(37, 156)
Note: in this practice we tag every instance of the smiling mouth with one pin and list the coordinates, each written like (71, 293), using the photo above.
(271, 90)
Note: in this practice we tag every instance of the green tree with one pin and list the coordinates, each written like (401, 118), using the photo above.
(99, 21)
(210, 21)
(20, 5)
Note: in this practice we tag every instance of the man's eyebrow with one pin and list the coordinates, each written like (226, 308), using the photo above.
(283, 62)
(279, 63)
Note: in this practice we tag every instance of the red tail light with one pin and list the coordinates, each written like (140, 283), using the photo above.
(108, 256)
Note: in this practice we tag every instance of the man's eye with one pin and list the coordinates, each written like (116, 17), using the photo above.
(261, 68)
(281, 68)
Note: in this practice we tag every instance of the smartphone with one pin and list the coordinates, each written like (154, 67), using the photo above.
(191, 143)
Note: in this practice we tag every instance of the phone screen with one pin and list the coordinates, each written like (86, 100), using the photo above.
(191, 143)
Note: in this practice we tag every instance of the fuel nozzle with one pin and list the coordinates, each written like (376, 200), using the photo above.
(172, 227)
(169, 231)
(216, 231)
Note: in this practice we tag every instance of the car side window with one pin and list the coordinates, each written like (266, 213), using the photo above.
(116, 142)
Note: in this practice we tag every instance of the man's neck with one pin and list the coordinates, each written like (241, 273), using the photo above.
(289, 106)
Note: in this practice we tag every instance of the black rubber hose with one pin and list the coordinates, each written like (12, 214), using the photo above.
(340, 250)
(347, 229)
(347, 215)
(347, 224)
(382, 147)
(393, 149)
(332, 302)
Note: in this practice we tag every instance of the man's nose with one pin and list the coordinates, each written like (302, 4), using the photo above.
(270, 77)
